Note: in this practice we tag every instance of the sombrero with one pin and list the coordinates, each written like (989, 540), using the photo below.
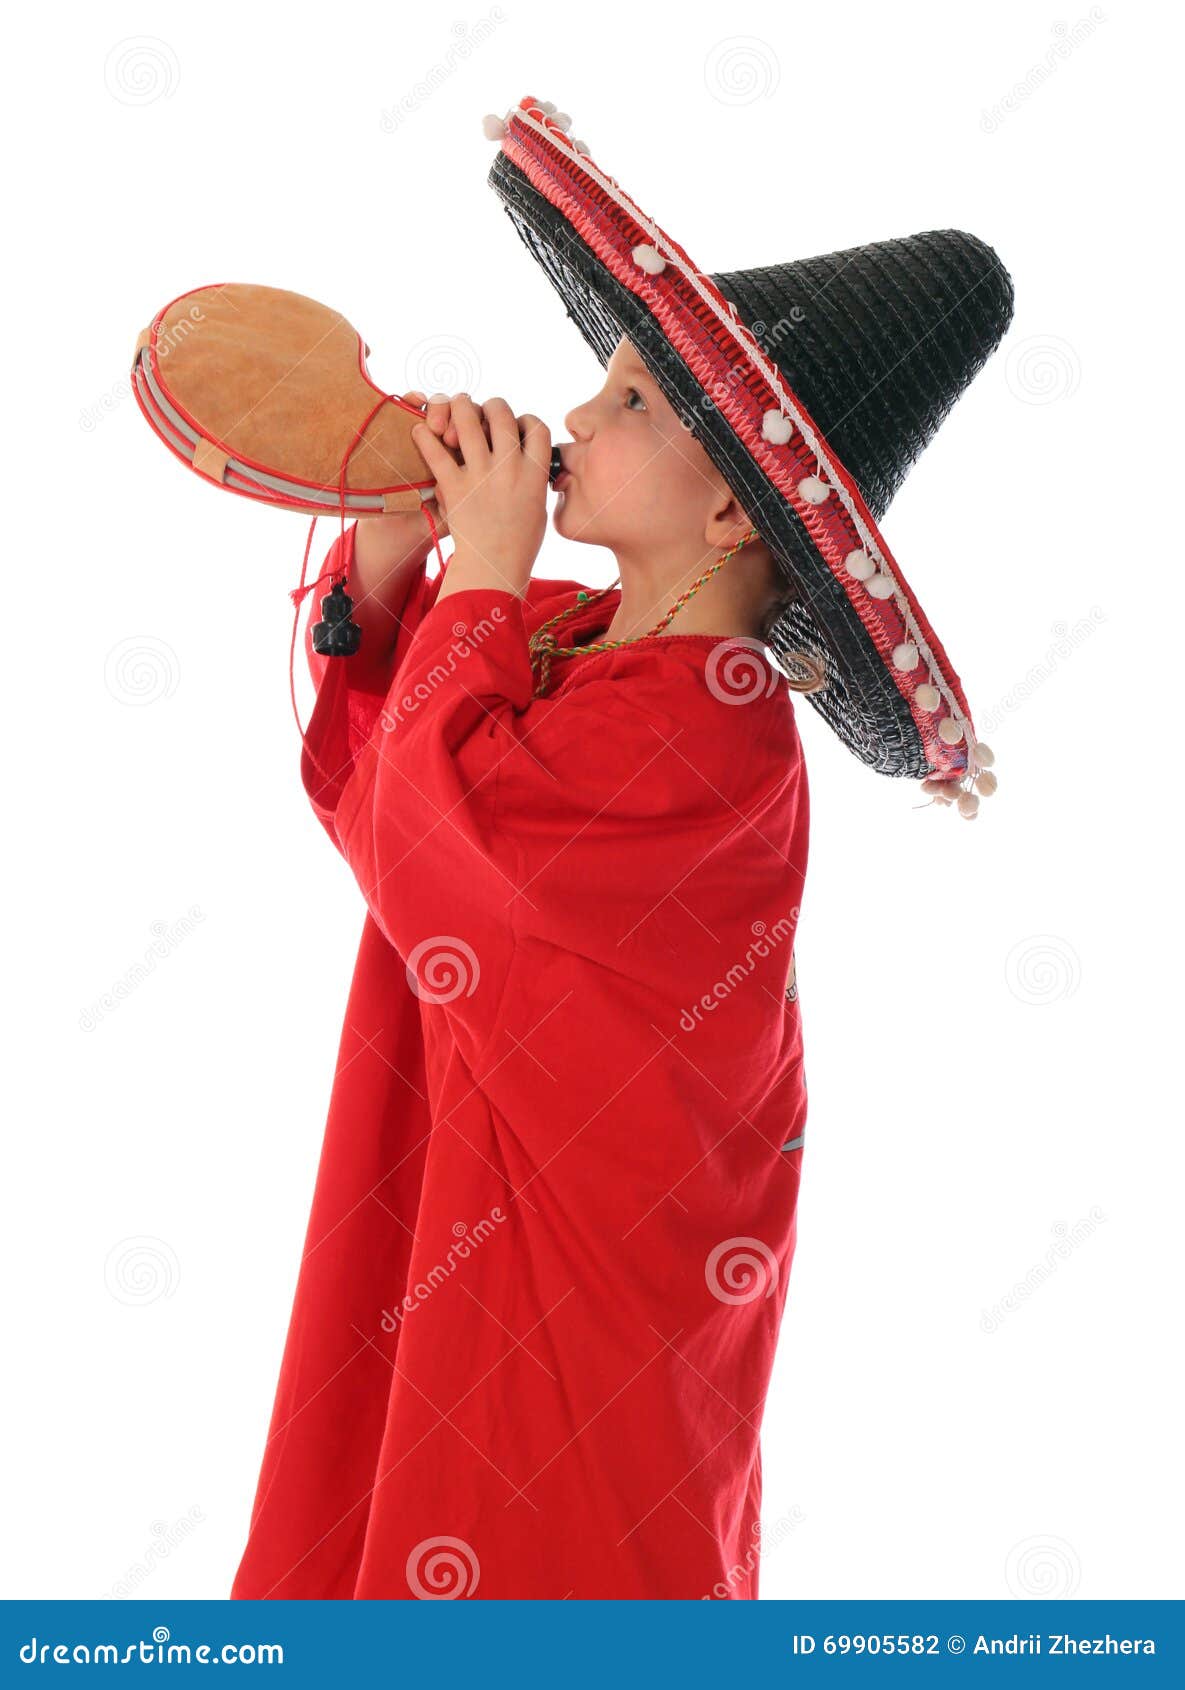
(813, 386)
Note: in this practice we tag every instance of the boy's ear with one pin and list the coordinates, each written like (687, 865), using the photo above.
(728, 523)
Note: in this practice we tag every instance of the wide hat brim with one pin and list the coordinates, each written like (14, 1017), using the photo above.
(892, 694)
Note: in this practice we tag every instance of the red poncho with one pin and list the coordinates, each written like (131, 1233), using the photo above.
(555, 1210)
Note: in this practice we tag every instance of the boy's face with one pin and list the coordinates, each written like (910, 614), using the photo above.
(637, 473)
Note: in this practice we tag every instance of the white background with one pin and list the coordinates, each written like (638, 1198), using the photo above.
(991, 1009)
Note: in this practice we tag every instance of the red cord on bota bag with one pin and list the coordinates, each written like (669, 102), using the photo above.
(336, 635)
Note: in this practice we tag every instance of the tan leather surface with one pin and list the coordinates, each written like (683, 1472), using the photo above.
(276, 377)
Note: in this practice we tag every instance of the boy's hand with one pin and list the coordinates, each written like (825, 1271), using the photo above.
(496, 497)
(390, 535)
(387, 539)
(439, 418)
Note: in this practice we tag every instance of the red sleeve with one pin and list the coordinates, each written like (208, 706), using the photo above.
(488, 827)
(344, 714)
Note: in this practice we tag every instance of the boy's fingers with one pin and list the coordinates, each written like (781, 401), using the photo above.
(451, 437)
(435, 409)
(438, 460)
(415, 397)
(439, 417)
(470, 433)
(503, 426)
(438, 413)
(536, 440)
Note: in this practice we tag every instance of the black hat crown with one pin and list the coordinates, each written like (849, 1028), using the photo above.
(878, 341)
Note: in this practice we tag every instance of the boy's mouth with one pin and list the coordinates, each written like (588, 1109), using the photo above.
(558, 474)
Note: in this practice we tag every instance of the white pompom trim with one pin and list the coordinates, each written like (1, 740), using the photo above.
(776, 427)
(493, 127)
(649, 258)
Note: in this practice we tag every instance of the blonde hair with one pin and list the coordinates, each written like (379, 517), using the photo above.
(815, 679)
(772, 634)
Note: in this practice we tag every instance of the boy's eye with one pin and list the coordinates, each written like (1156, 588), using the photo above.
(634, 394)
